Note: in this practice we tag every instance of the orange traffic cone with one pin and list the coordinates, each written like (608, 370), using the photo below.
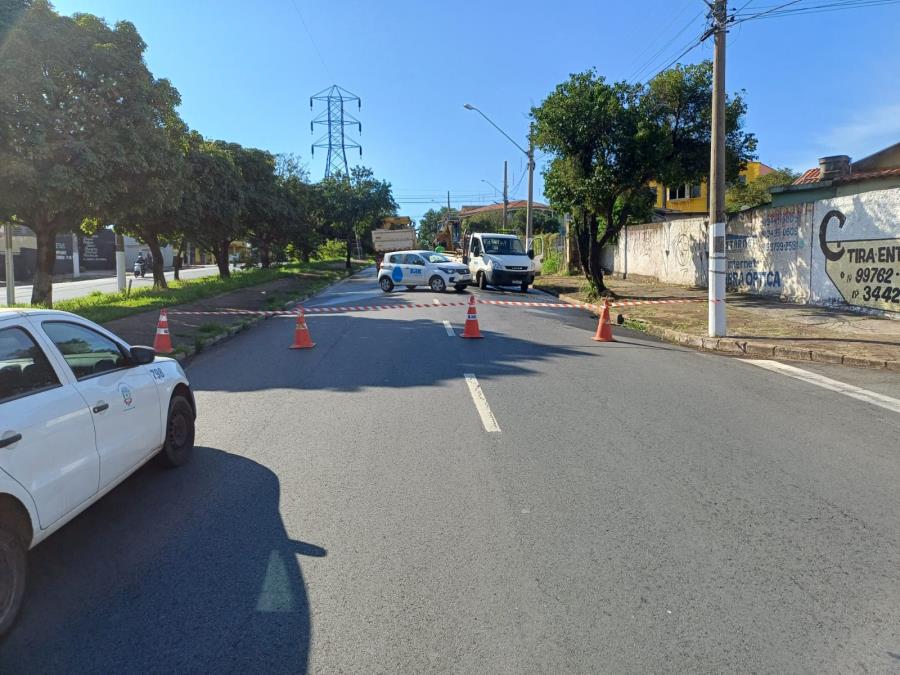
(604, 327)
(471, 328)
(301, 334)
(162, 342)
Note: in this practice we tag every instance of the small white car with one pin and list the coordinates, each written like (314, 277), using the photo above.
(422, 268)
(80, 411)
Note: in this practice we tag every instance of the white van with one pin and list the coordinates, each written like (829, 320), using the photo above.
(499, 260)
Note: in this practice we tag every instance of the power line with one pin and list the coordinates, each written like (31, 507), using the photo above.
(789, 10)
(649, 43)
(312, 40)
(649, 63)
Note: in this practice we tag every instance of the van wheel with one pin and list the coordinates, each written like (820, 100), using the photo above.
(13, 575)
(524, 287)
(437, 284)
(386, 284)
(482, 280)
(179, 433)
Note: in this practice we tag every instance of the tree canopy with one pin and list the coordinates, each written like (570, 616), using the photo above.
(89, 137)
(608, 140)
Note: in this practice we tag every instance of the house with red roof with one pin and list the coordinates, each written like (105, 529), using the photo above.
(838, 176)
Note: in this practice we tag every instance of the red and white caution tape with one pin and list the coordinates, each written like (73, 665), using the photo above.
(340, 309)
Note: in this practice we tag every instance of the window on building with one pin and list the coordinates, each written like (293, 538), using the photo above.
(678, 192)
(695, 191)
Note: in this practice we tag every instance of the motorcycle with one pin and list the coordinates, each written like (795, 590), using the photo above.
(138, 269)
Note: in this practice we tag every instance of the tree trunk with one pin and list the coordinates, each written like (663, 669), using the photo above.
(159, 275)
(583, 246)
(594, 249)
(349, 266)
(177, 261)
(304, 255)
(42, 289)
(221, 256)
(265, 257)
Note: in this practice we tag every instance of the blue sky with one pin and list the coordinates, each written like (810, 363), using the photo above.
(816, 85)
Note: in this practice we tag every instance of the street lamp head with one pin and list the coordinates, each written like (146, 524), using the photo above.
(468, 106)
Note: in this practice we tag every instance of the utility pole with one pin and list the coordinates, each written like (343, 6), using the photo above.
(717, 255)
(120, 263)
(505, 196)
(529, 208)
(8, 258)
(76, 257)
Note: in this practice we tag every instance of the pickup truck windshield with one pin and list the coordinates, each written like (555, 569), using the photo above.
(503, 246)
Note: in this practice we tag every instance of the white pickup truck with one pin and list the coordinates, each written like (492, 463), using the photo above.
(499, 260)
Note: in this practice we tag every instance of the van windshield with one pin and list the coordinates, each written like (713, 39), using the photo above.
(504, 246)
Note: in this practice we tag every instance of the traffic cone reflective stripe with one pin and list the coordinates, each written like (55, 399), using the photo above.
(301, 334)
(471, 327)
(162, 342)
(604, 326)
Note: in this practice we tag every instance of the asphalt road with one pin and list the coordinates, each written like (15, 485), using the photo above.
(643, 508)
(64, 290)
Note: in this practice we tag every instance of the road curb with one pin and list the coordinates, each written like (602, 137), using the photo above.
(183, 357)
(759, 349)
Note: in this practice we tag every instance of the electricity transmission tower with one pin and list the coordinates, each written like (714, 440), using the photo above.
(335, 117)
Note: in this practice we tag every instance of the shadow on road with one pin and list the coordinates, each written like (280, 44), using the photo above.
(186, 570)
(359, 351)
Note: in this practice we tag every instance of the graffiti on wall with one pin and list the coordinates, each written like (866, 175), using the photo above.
(866, 272)
(761, 255)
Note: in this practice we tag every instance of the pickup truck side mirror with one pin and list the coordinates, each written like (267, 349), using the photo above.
(531, 253)
(141, 356)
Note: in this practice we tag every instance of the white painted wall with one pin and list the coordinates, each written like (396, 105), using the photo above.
(777, 252)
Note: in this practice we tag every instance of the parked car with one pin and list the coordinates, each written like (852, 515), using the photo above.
(80, 411)
(422, 268)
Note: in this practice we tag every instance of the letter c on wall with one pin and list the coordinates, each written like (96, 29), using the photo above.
(827, 252)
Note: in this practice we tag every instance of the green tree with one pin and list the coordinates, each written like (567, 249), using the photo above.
(218, 191)
(260, 218)
(609, 140)
(679, 101)
(72, 94)
(742, 195)
(153, 177)
(355, 205)
(605, 151)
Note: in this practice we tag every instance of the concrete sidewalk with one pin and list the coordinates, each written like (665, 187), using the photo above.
(757, 326)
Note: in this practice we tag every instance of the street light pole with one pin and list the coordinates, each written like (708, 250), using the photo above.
(530, 155)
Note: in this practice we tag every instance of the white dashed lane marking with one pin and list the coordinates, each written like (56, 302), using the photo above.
(481, 404)
(449, 329)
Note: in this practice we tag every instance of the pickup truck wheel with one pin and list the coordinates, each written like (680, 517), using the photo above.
(386, 284)
(13, 574)
(437, 284)
(482, 281)
(179, 433)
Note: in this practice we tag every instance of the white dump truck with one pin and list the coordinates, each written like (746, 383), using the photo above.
(396, 234)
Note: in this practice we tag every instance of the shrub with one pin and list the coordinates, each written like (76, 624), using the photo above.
(331, 249)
